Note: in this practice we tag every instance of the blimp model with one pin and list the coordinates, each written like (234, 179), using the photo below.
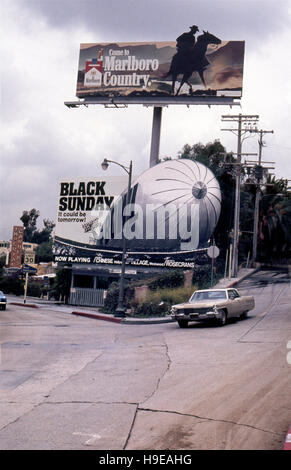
(172, 206)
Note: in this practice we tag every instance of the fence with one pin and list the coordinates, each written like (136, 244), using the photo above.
(87, 297)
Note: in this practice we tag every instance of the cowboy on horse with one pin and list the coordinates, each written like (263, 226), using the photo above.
(190, 57)
(186, 41)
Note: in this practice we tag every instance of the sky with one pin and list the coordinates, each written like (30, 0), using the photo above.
(42, 141)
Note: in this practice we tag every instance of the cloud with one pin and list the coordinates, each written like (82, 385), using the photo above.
(44, 141)
(141, 21)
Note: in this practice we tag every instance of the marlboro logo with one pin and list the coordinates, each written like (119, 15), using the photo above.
(119, 69)
(94, 71)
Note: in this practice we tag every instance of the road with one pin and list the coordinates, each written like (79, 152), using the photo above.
(70, 382)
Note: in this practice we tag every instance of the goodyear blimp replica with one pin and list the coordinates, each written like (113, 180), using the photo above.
(172, 206)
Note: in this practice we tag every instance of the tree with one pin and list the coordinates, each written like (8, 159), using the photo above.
(278, 186)
(62, 283)
(275, 206)
(44, 252)
(215, 157)
(274, 242)
(29, 219)
(2, 264)
(42, 237)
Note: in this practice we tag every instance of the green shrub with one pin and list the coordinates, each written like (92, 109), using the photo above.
(62, 283)
(150, 309)
(34, 290)
(111, 300)
(171, 279)
(159, 302)
(202, 276)
(171, 296)
(12, 285)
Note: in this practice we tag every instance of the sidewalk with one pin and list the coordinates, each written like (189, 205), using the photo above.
(233, 281)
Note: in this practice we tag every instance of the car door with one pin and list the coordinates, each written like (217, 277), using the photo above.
(236, 302)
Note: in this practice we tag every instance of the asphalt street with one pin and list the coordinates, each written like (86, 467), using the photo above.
(70, 382)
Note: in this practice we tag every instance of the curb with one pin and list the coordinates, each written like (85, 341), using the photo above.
(98, 317)
(124, 321)
(287, 444)
(24, 305)
(151, 321)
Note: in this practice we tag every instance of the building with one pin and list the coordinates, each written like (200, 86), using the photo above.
(28, 249)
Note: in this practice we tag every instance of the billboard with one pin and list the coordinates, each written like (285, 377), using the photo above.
(167, 218)
(211, 67)
(82, 207)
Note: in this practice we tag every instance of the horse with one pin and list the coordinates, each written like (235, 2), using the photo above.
(188, 61)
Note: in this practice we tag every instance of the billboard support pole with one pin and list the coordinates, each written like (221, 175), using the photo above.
(156, 133)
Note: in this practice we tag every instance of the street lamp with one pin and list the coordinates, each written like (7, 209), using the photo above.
(120, 311)
(105, 164)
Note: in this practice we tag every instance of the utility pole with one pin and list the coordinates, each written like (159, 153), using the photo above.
(240, 132)
(259, 176)
(156, 133)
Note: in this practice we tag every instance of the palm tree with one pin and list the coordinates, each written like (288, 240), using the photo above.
(275, 220)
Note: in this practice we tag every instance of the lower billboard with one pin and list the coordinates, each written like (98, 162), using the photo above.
(166, 219)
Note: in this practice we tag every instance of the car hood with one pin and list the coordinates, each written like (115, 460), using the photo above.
(205, 304)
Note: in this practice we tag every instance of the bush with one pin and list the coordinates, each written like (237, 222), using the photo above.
(171, 296)
(159, 302)
(62, 284)
(167, 280)
(34, 290)
(12, 285)
(202, 276)
(111, 301)
(150, 309)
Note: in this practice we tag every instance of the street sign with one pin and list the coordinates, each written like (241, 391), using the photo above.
(213, 251)
(29, 257)
(28, 269)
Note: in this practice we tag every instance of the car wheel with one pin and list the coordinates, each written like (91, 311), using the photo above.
(223, 318)
(183, 323)
(244, 315)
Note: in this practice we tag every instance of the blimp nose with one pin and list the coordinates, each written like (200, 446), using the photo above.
(199, 190)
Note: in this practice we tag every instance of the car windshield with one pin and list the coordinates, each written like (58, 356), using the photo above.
(208, 295)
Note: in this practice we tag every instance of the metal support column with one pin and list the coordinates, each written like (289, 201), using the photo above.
(156, 133)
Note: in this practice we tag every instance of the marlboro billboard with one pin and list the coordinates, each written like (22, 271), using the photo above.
(208, 66)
